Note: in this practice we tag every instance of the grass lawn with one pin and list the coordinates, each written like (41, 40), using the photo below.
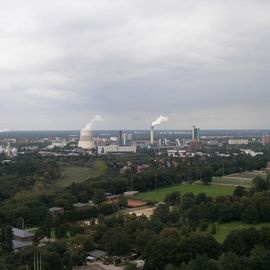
(210, 190)
(32, 230)
(250, 174)
(224, 229)
(229, 180)
(80, 174)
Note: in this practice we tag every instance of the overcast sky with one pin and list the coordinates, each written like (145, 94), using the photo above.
(203, 62)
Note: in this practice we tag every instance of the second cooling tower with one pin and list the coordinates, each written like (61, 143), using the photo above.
(86, 140)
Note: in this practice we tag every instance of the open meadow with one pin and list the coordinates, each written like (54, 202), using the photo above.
(75, 174)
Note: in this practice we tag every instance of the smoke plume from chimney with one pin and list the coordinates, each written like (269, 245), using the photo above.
(96, 118)
(159, 121)
(4, 130)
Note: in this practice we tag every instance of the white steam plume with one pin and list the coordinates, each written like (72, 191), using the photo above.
(159, 121)
(4, 130)
(96, 118)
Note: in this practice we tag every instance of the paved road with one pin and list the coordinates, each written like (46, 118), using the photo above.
(99, 266)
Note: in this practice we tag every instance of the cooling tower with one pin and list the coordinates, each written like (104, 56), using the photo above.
(86, 140)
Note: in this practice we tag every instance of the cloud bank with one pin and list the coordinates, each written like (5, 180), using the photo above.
(203, 63)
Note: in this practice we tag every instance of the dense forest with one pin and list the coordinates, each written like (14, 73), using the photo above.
(179, 235)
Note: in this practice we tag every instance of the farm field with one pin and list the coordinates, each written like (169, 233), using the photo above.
(210, 190)
(224, 229)
(80, 174)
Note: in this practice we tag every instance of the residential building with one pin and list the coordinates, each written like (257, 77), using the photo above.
(266, 139)
(238, 141)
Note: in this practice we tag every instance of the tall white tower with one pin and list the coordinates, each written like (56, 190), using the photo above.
(152, 135)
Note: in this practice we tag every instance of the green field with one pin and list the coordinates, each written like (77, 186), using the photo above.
(234, 181)
(32, 230)
(238, 179)
(80, 174)
(250, 175)
(224, 229)
(210, 190)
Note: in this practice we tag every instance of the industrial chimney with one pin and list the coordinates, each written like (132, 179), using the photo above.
(86, 140)
(152, 135)
(157, 122)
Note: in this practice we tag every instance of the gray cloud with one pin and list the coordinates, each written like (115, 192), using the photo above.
(197, 62)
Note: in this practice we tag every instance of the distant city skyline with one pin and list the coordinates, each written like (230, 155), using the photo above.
(202, 63)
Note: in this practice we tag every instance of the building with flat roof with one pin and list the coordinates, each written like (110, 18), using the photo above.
(266, 139)
(21, 238)
(114, 149)
(56, 211)
(238, 142)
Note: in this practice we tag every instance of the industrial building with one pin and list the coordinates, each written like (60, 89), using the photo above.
(114, 149)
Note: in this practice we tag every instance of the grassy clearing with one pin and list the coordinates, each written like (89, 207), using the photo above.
(80, 174)
(224, 229)
(74, 174)
(210, 190)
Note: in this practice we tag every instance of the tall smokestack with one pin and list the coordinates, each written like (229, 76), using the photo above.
(152, 135)
(157, 122)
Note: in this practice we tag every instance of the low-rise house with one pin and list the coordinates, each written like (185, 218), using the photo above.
(81, 206)
(56, 211)
(21, 238)
(95, 255)
(130, 193)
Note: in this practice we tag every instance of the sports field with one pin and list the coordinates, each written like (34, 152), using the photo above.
(238, 179)
(211, 190)
(232, 180)
(224, 229)
(250, 174)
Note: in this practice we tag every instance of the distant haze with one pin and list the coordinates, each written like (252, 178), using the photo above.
(203, 63)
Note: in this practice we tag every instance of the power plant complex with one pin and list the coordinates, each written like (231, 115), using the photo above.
(123, 143)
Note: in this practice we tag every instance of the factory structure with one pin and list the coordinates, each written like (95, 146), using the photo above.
(120, 145)
(123, 143)
(114, 149)
(157, 122)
